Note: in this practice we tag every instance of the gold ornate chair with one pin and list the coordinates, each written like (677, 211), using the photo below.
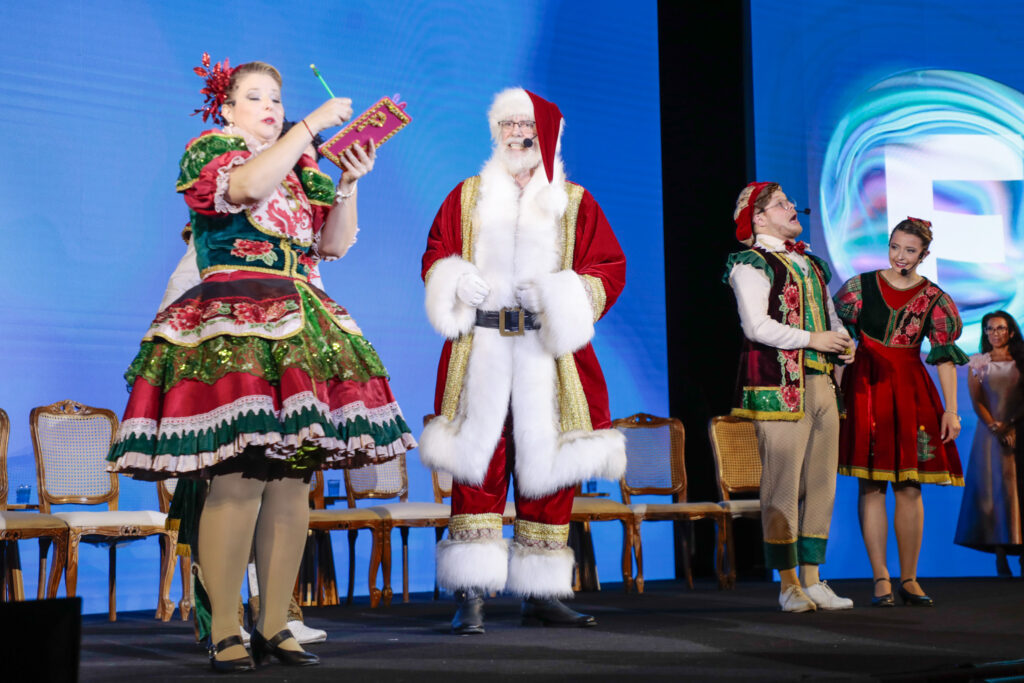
(165, 492)
(71, 442)
(656, 465)
(323, 520)
(16, 526)
(391, 480)
(738, 470)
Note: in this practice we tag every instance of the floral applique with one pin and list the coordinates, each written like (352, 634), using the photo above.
(254, 250)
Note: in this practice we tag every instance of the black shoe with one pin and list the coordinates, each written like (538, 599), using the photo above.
(469, 617)
(553, 612)
(1002, 566)
(226, 666)
(887, 600)
(912, 599)
(261, 647)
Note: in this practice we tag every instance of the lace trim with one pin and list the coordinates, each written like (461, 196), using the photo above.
(220, 201)
(538, 535)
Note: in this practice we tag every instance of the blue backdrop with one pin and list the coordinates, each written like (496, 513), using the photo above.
(97, 97)
(871, 110)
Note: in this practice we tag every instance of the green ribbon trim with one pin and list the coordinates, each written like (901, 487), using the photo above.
(318, 186)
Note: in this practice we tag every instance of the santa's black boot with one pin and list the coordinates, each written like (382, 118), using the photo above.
(469, 617)
(553, 612)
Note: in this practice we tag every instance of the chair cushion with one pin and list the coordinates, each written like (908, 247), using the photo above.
(585, 505)
(413, 511)
(28, 520)
(112, 518)
(343, 515)
(742, 507)
(675, 508)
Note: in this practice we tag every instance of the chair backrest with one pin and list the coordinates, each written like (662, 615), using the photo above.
(71, 442)
(165, 492)
(5, 432)
(655, 456)
(737, 459)
(442, 485)
(381, 480)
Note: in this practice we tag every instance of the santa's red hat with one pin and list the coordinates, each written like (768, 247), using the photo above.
(520, 102)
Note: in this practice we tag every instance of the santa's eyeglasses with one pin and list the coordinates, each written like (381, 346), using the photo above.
(525, 126)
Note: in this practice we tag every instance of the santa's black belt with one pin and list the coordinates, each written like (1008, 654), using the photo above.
(510, 322)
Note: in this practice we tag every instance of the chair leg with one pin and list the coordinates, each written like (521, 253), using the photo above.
(377, 535)
(71, 570)
(686, 555)
(44, 550)
(112, 581)
(638, 554)
(165, 607)
(723, 581)
(60, 562)
(438, 533)
(185, 570)
(352, 566)
(327, 580)
(627, 558)
(15, 584)
(385, 560)
(3, 572)
(404, 531)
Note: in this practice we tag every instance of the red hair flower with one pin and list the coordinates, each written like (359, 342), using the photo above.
(217, 79)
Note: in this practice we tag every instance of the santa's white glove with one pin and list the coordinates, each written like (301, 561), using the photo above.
(528, 296)
(472, 289)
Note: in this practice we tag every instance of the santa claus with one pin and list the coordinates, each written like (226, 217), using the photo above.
(520, 264)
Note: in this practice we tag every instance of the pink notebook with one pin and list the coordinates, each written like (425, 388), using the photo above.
(378, 123)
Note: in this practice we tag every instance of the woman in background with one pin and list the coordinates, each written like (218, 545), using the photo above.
(991, 507)
(896, 428)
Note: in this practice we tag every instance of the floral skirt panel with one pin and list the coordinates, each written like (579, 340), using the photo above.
(892, 431)
(297, 388)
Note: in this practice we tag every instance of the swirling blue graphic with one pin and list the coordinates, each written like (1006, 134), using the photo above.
(947, 146)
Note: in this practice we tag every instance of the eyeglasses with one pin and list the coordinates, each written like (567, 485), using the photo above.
(998, 328)
(525, 126)
(785, 205)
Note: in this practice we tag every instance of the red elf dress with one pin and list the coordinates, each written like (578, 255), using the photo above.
(892, 431)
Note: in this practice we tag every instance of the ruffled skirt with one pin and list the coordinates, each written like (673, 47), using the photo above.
(296, 388)
(892, 431)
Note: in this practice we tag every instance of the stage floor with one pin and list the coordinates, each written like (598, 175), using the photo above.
(669, 632)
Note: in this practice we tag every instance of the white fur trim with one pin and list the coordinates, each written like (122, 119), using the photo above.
(482, 565)
(509, 102)
(446, 312)
(567, 317)
(576, 456)
(540, 573)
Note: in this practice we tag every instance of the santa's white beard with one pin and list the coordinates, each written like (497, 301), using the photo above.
(516, 160)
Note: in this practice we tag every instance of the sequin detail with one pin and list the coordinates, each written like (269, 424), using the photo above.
(538, 535)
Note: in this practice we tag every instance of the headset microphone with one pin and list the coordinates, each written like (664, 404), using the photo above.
(528, 143)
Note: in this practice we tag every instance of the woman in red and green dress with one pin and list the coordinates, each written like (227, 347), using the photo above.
(255, 378)
(896, 428)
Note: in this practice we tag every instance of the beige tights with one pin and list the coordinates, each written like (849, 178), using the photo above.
(278, 511)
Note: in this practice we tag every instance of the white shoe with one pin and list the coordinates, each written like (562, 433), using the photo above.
(793, 599)
(245, 636)
(306, 635)
(825, 598)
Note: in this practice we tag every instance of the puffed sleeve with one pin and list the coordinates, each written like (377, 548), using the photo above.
(203, 178)
(944, 328)
(319, 189)
(849, 301)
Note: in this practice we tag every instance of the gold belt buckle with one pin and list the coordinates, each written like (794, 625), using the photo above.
(501, 322)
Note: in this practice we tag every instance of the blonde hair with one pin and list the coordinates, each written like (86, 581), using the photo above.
(243, 70)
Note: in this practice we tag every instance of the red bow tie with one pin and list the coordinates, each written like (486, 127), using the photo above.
(799, 247)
